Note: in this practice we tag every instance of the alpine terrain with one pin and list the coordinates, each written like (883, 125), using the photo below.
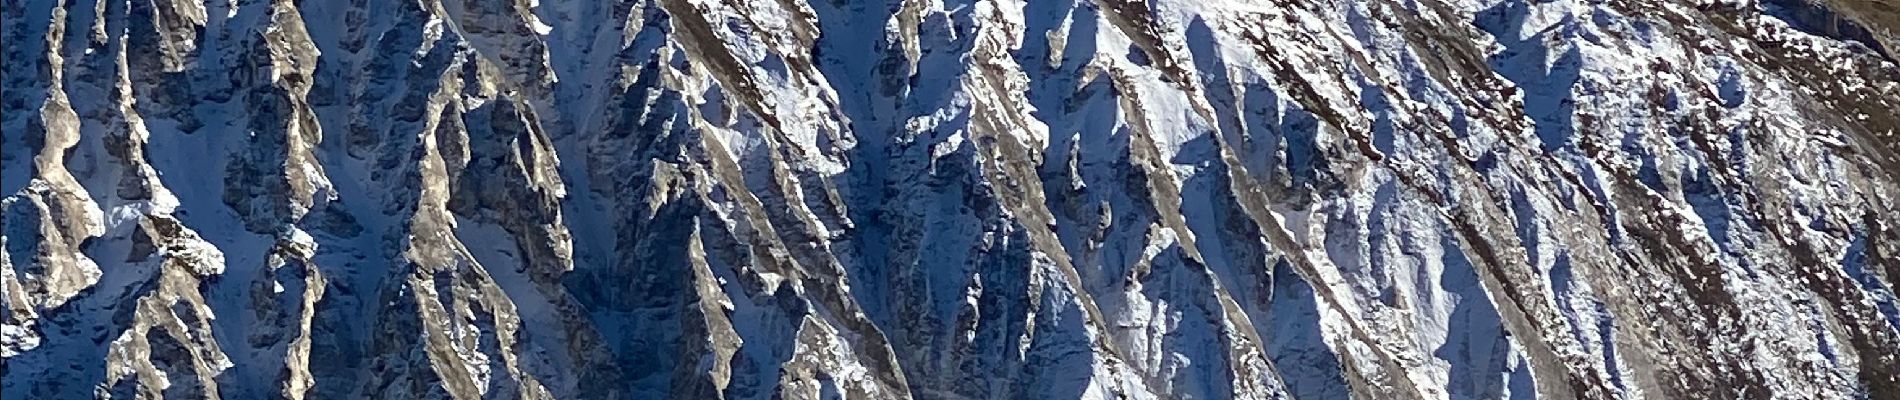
(950, 199)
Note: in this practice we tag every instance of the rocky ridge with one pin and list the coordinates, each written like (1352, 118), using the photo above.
(1442, 199)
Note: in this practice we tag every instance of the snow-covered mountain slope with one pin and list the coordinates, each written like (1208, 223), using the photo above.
(950, 199)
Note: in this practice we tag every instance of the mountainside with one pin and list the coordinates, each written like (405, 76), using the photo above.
(950, 199)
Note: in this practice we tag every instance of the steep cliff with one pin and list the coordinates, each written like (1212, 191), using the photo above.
(950, 199)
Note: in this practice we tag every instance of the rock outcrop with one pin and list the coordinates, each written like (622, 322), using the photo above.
(950, 199)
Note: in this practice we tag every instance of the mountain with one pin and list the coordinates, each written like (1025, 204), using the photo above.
(950, 199)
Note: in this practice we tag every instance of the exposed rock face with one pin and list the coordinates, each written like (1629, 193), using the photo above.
(948, 199)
